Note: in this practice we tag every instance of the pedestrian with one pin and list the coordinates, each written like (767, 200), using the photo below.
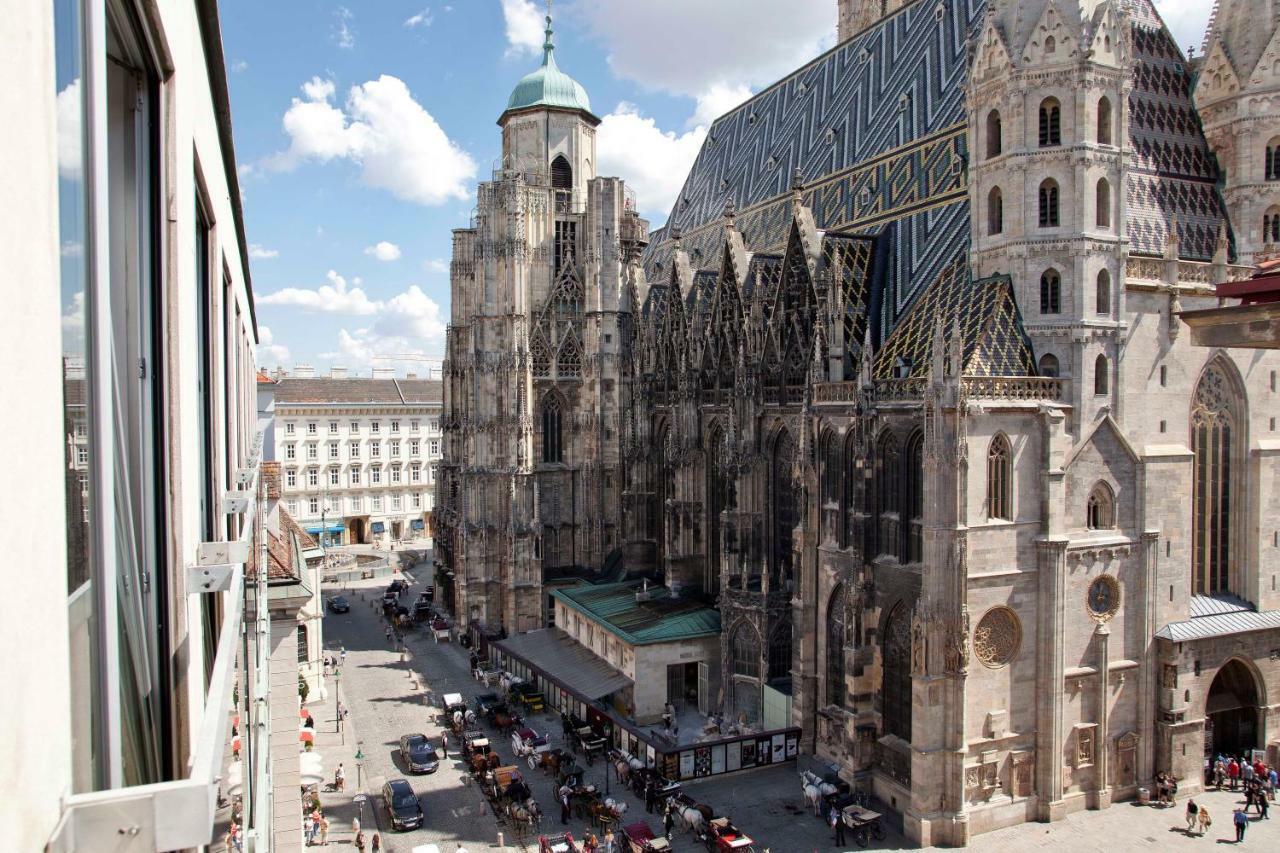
(1246, 773)
(236, 841)
(309, 722)
(564, 807)
(1242, 823)
(324, 831)
(1219, 773)
(444, 746)
(339, 778)
(342, 655)
(355, 826)
(590, 844)
(607, 844)
(376, 846)
(1193, 812)
(1263, 805)
(1273, 782)
(1205, 820)
(668, 821)
(837, 826)
(359, 842)
(1233, 773)
(650, 795)
(307, 826)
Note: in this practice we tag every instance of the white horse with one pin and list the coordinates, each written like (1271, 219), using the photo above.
(814, 790)
(618, 807)
(689, 817)
(526, 814)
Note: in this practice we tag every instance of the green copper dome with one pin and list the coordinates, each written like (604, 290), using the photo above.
(548, 86)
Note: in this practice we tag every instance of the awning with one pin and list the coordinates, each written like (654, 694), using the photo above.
(379, 527)
(417, 524)
(560, 658)
(313, 529)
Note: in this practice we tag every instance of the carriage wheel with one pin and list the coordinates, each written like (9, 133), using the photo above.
(862, 836)
(877, 833)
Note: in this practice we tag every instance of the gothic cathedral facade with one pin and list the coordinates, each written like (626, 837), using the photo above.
(900, 387)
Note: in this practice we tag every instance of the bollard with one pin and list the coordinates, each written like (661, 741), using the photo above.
(501, 844)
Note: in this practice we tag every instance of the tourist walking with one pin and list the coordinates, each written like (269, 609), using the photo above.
(307, 825)
(1233, 773)
(324, 830)
(376, 847)
(1193, 812)
(339, 778)
(444, 746)
(1242, 823)
(564, 806)
(1205, 820)
(1219, 773)
(837, 827)
(668, 821)
(607, 844)
(359, 841)
(650, 795)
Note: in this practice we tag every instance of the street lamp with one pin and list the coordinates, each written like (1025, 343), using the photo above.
(360, 765)
(337, 692)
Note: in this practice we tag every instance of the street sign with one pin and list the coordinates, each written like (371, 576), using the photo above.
(359, 798)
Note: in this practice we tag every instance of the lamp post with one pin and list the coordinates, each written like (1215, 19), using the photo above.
(337, 692)
(360, 765)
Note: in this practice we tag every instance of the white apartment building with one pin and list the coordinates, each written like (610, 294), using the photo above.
(359, 455)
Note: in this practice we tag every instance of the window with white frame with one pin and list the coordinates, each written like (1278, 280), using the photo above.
(415, 473)
(396, 503)
(417, 500)
(394, 447)
(289, 427)
(356, 504)
(291, 478)
(375, 476)
(333, 476)
(431, 473)
(377, 503)
(333, 427)
(355, 427)
(291, 451)
(435, 448)
(313, 506)
(293, 507)
(375, 450)
(413, 425)
(355, 476)
(395, 426)
(333, 450)
(313, 477)
(311, 450)
(414, 447)
(354, 449)
(395, 473)
(435, 424)
(375, 427)
(82, 455)
(312, 428)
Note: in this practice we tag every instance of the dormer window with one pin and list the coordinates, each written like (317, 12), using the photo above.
(1050, 45)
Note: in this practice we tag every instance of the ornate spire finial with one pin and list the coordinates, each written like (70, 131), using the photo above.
(730, 209)
(548, 45)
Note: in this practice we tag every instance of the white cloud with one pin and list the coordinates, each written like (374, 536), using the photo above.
(409, 323)
(269, 350)
(1186, 20)
(261, 253)
(716, 101)
(342, 32)
(384, 251)
(422, 19)
(653, 162)
(395, 141)
(69, 142)
(435, 265)
(73, 323)
(239, 65)
(687, 48)
(332, 298)
(524, 26)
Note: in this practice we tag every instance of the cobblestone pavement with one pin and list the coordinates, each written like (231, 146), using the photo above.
(385, 703)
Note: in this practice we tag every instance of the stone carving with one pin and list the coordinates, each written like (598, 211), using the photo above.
(1103, 598)
(997, 637)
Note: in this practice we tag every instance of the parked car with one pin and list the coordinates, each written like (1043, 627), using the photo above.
(338, 604)
(403, 809)
(397, 586)
(419, 754)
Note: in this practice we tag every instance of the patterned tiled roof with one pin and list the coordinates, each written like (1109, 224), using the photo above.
(1172, 178)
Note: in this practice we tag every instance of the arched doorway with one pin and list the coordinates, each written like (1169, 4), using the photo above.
(1231, 711)
(356, 531)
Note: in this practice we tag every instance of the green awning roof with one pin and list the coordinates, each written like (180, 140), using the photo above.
(659, 618)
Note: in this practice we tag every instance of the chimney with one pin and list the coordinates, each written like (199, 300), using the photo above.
(384, 373)
(337, 372)
(304, 371)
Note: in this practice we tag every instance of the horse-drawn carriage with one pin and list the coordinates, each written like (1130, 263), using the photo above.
(864, 823)
(440, 630)
(529, 745)
(722, 835)
(640, 839)
(456, 712)
(638, 777)
(561, 842)
(525, 694)
(478, 753)
(689, 814)
(587, 741)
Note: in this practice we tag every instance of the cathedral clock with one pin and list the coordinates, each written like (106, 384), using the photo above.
(1103, 598)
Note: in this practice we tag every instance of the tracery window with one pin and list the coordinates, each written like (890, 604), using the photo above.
(1050, 122)
(717, 493)
(1100, 510)
(994, 140)
(1104, 120)
(1049, 204)
(561, 173)
(852, 477)
(1215, 420)
(780, 653)
(995, 211)
(1049, 365)
(832, 465)
(888, 483)
(552, 447)
(744, 656)
(1273, 160)
(895, 687)
(1102, 296)
(785, 510)
(999, 479)
(836, 639)
(914, 480)
(1050, 292)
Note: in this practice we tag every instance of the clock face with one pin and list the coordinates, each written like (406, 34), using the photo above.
(1104, 597)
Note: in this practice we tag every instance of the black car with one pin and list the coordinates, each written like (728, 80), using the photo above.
(419, 754)
(403, 809)
(338, 604)
(397, 586)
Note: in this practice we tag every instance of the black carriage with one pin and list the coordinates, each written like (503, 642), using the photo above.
(864, 823)
(589, 743)
(525, 694)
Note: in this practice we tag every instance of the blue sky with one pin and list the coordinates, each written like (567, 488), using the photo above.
(362, 129)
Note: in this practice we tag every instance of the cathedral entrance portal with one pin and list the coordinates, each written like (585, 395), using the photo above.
(1231, 711)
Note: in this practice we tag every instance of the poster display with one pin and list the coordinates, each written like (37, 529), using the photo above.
(793, 745)
(733, 756)
(702, 761)
(717, 758)
(779, 747)
(686, 764)
(748, 749)
(764, 751)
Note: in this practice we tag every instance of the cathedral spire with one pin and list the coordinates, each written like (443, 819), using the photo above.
(549, 45)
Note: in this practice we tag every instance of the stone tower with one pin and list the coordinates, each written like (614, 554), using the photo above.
(542, 290)
(857, 15)
(1238, 96)
(1046, 102)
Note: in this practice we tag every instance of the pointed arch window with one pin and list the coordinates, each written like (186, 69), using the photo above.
(552, 448)
(995, 211)
(999, 479)
(913, 477)
(1102, 214)
(1050, 292)
(785, 508)
(1101, 377)
(1049, 365)
(717, 501)
(780, 653)
(1100, 510)
(1050, 123)
(1049, 204)
(889, 492)
(1215, 418)
(1104, 120)
(1050, 45)
(836, 639)
(853, 476)
(832, 468)
(1273, 160)
(994, 134)
(1102, 298)
(744, 663)
(895, 686)
(561, 173)
(1271, 225)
